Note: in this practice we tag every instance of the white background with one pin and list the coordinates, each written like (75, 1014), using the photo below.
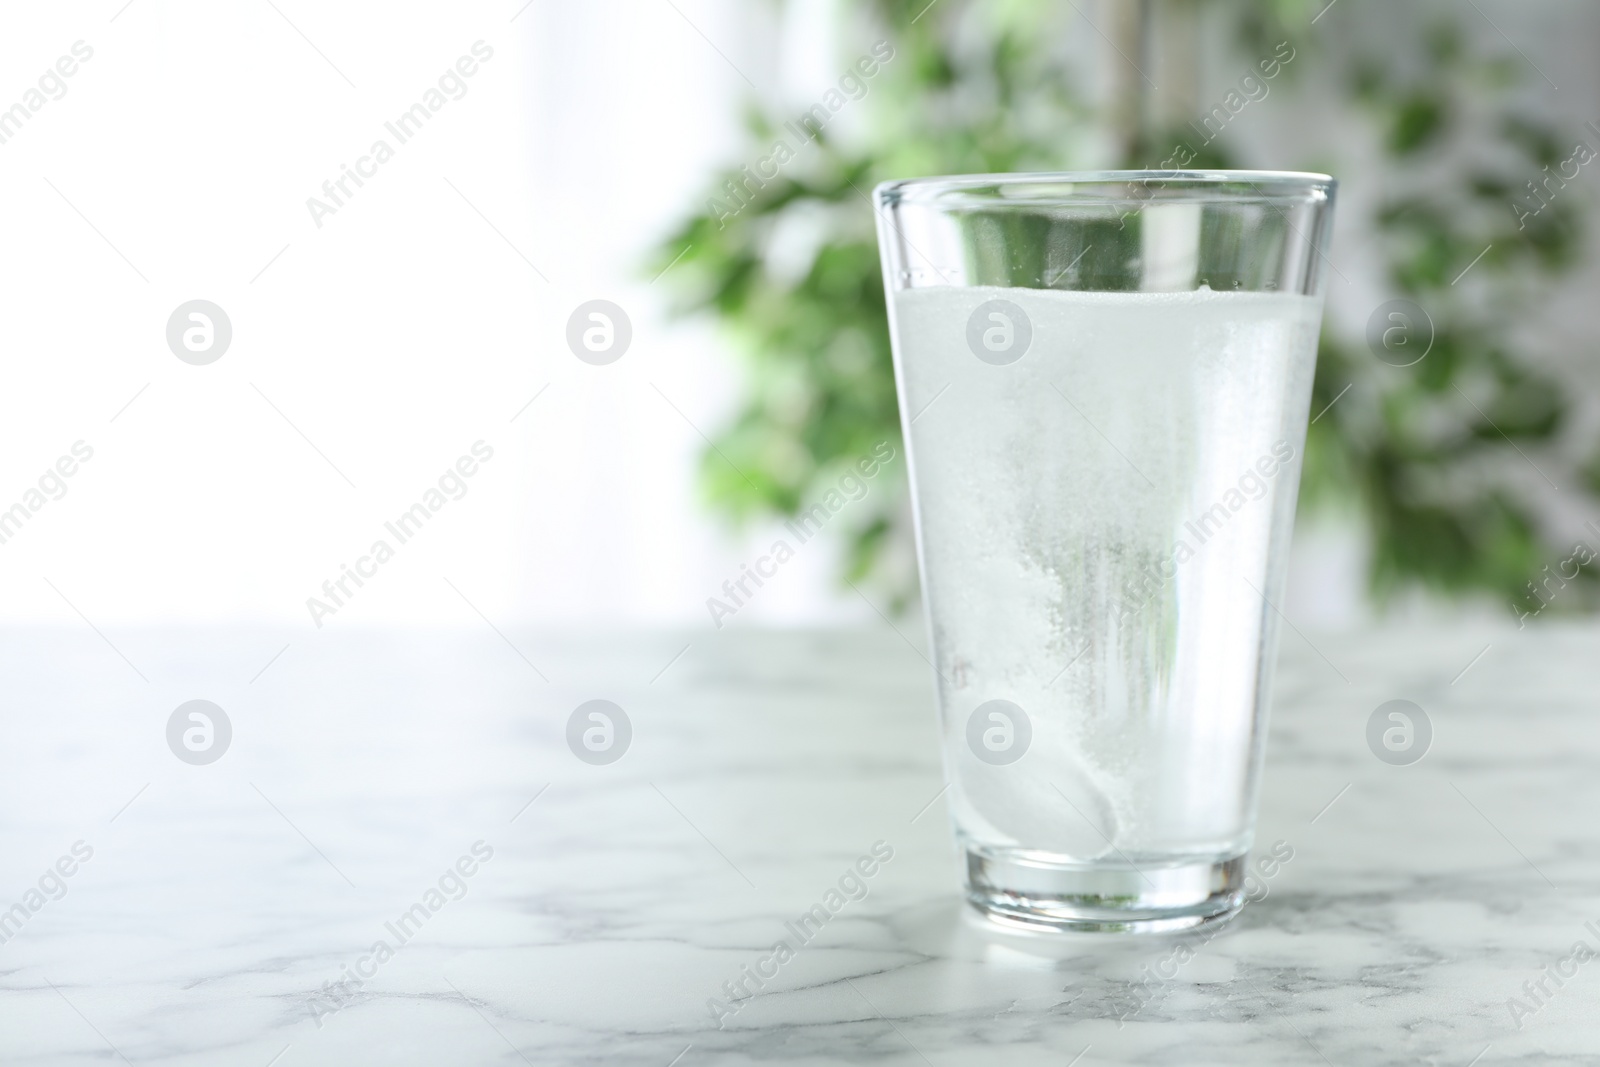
(403, 330)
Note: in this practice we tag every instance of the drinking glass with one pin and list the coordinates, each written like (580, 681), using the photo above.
(1104, 381)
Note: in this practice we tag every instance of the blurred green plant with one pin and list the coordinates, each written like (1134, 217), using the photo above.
(1427, 455)
(1437, 454)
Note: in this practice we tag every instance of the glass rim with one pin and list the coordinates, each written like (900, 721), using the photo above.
(1047, 188)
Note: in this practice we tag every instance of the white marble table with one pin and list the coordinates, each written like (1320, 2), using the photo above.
(220, 901)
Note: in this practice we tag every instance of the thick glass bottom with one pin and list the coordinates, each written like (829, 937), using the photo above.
(1021, 891)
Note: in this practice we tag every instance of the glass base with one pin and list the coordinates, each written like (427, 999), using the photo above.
(1019, 890)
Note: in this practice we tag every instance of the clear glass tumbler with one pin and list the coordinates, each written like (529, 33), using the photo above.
(1104, 381)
